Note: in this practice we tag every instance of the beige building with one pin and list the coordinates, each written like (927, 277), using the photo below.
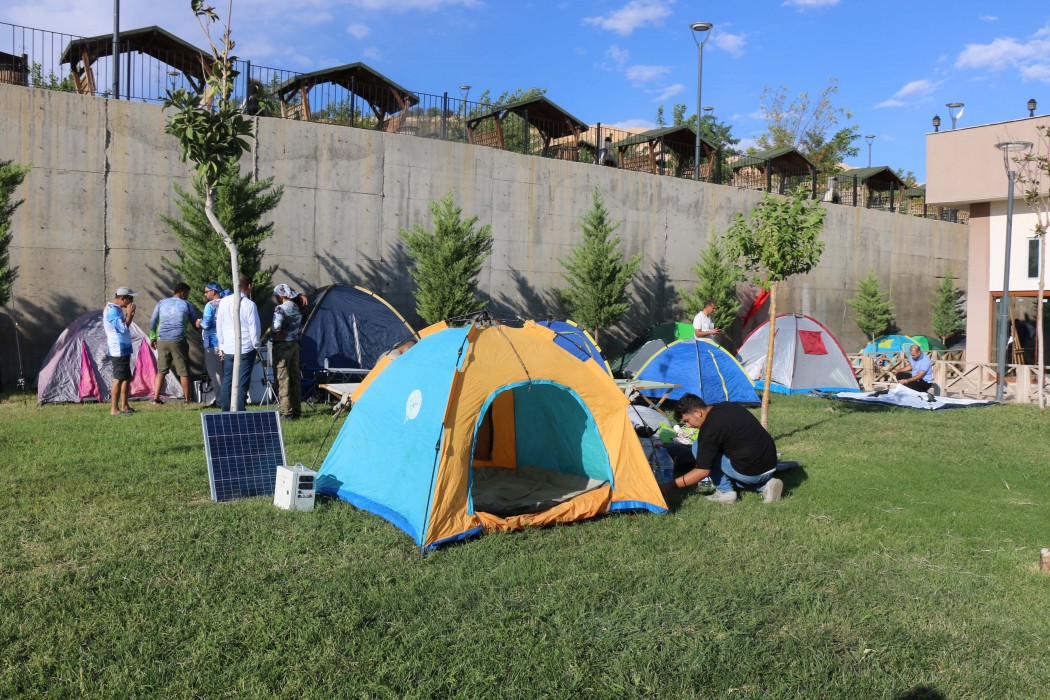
(965, 169)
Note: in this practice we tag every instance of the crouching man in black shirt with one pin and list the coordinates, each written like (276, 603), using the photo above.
(732, 447)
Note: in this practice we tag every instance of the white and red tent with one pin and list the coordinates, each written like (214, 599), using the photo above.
(76, 369)
(806, 356)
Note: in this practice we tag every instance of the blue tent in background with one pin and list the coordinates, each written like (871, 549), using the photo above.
(699, 366)
(577, 341)
(350, 328)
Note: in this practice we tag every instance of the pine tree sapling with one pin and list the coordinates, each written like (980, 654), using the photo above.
(947, 314)
(240, 205)
(596, 272)
(872, 309)
(447, 262)
(780, 239)
(717, 275)
(11, 176)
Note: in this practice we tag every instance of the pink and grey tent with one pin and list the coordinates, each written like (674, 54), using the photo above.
(76, 369)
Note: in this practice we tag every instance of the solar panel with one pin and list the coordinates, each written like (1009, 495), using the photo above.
(244, 449)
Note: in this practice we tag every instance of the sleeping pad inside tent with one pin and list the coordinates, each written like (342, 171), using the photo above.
(488, 428)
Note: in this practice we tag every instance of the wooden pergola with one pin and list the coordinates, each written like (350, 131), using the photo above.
(880, 187)
(647, 152)
(388, 101)
(167, 48)
(776, 170)
(550, 121)
(14, 70)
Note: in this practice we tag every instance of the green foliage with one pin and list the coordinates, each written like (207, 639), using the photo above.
(809, 125)
(781, 238)
(210, 128)
(718, 134)
(596, 272)
(240, 204)
(947, 313)
(51, 81)
(447, 261)
(11, 176)
(908, 176)
(872, 309)
(717, 275)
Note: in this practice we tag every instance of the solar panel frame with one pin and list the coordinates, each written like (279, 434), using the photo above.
(243, 450)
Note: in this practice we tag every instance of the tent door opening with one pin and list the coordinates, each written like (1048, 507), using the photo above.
(536, 445)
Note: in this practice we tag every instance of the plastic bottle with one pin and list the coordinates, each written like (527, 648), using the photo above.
(661, 462)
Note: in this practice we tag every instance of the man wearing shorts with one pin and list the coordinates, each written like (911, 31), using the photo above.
(116, 319)
(167, 332)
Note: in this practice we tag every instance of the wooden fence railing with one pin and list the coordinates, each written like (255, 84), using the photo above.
(954, 377)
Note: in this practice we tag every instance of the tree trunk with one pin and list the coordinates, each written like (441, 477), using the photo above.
(209, 211)
(1039, 347)
(769, 354)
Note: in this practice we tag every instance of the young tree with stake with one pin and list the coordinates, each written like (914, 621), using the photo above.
(872, 310)
(780, 239)
(212, 135)
(1033, 178)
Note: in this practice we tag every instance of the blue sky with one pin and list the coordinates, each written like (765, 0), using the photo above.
(615, 61)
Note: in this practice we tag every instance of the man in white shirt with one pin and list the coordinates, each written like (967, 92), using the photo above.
(249, 343)
(703, 326)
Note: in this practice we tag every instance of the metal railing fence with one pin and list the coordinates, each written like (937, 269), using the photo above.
(43, 59)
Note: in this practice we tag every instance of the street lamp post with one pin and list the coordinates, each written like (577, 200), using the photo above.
(1008, 148)
(869, 138)
(1031, 107)
(701, 31)
(952, 106)
(936, 123)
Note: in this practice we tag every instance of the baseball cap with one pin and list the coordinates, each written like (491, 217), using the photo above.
(126, 292)
(214, 286)
(283, 290)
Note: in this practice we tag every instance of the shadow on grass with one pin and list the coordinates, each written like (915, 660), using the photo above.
(922, 692)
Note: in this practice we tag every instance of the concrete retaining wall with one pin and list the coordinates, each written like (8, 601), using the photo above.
(103, 172)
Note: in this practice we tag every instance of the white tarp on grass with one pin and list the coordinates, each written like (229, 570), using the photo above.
(899, 395)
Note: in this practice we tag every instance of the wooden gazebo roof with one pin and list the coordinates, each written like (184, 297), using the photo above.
(549, 118)
(164, 46)
(882, 174)
(383, 95)
(784, 158)
(681, 135)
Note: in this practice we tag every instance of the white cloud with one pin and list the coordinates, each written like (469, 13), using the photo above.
(358, 31)
(988, 18)
(405, 5)
(745, 144)
(646, 74)
(619, 56)
(371, 53)
(732, 44)
(635, 14)
(758, 115)
(915, 91)
(669, 92)
(808, 4)
(1030, 58)
(634, 124)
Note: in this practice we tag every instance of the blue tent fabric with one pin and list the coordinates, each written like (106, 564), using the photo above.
(699, 367)
(393, 424)
(350, 327)
(576, 341)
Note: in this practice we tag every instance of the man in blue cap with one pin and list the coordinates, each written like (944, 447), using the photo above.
(212, 358)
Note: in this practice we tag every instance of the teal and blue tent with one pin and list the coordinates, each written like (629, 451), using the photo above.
(900, 343)
(576, 341)
(701, 367)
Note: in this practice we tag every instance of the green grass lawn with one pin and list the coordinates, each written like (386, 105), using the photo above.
(902, 563)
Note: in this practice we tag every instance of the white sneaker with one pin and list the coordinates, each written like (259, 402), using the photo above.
(772, 491)
(722, 497)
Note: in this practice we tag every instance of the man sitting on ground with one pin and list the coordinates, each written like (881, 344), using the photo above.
(732, 448)
(917, 373)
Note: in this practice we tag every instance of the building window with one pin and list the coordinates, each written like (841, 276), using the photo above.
(1033, 258)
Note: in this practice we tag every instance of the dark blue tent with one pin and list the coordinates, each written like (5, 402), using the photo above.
(350, 328)
(577, 342)
(699, 367)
